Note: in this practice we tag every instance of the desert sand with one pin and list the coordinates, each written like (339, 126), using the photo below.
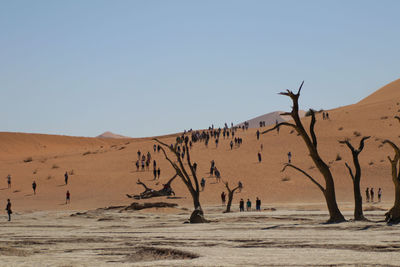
(102, 171)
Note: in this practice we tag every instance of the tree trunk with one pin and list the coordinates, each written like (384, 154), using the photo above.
(393, 215)
(335, 215)
(230, 198)
(358, 211)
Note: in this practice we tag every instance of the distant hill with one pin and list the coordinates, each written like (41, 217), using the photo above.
(111, 135)
(388, 92)
(270, 119)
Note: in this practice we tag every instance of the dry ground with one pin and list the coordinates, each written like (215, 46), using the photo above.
(287, 236)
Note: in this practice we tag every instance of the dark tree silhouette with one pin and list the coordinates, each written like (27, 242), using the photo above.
(393, 215)
(149, 193)
(230, 196)
(356, 177)
(188, 178)
(311, 142)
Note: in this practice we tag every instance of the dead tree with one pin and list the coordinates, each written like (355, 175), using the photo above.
(188, 178)
(149, 193)
(230, 196)
(311, 142)
(356, 177)
(393, 215)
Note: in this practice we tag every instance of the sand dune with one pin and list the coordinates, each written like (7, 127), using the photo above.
(103, 169)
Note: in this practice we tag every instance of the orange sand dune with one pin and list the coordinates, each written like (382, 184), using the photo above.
(104, 169)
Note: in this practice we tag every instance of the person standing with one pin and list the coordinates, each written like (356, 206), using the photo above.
(241, 205)
(9, 181)
(34, 187)
(258, 204)
(223, 197)
(258, 134)
(379, 194)
(66, 178)
(67, 197)
(259, 157)
(289, 155)
(158, 172)
(367, 194)
(231, 144)
(8, 209)
(248, 205)
(372, 194)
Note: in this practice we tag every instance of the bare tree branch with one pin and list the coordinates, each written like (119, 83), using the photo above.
(350, 171)
(306, 174)
(278, 125)
(312, 124)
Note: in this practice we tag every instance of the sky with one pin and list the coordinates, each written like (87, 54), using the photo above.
(147, 68)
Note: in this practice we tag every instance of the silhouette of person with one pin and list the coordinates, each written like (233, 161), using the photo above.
(258, 134)
(223, 197)
(258, 204)
(8, 209)
(158, 172)
(248, 205)
(34, 187)
(372, 194)
(367, 194)
(203, 183)
(67, 197)
(9, 181)
(259, 157)
(66, 177)
(241, 205)
(240, 185)
(379, 194)
(289, 155)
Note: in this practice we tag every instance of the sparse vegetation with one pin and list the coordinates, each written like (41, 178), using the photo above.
(28, 159)
(55, 166)
(86, 153)
(355, 133)
(340, 128)
(49, 177)
(122, 147)
(370, 163)
(285, 179)
(384, 117)
(338, 157)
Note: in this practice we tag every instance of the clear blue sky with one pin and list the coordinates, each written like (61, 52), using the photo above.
(145, 68)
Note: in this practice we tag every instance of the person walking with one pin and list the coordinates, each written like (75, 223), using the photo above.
(379, 194)
(241, 205)
(231, 144)
(289, 155)
(8, 209)
(34, 187)
(259, 157)
(258, 204)
(66, 178)
(67, 197)
(240, 185)
(158, 172)
(258, 134)
(8, 181)
(203, 183)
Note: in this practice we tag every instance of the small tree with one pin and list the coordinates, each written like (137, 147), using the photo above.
(230, 196)
(191, 181)
(358, 212)
(393, 215)
(311, 142)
